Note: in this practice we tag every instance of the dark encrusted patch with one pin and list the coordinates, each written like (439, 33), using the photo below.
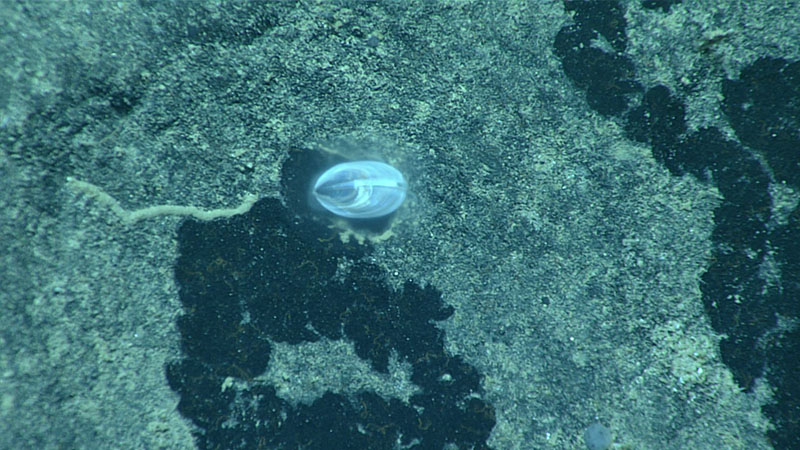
(607, 77)
(659, 120)
(763, 106)
(733, 288)
(271, 275)
(783, 364)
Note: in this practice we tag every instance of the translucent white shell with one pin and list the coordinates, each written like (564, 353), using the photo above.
(361, 189)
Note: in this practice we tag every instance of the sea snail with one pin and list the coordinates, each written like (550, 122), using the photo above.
(360, 189)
